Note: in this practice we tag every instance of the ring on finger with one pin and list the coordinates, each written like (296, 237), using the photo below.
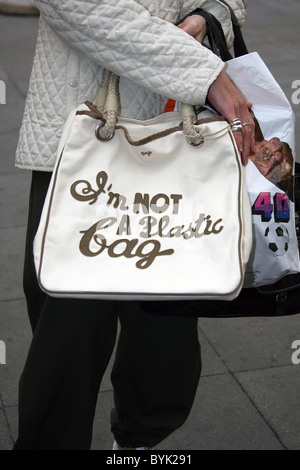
(236, 125)
(247, 124)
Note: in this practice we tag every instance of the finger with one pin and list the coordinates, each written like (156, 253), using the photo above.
(253, 143)
(247, 140)
(251, 136)
(244, 142)
(248, 133)
(238, 136)
(249, 105)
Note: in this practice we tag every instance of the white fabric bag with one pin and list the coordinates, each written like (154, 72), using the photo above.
(152, 213)
(270, 185)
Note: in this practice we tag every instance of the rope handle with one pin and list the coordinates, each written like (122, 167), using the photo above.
(108, 103)
(202, 135)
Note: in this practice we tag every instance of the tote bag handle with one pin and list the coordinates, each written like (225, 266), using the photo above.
(108, 103)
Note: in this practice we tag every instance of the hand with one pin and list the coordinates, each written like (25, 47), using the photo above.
(194, 25)
(227, 99)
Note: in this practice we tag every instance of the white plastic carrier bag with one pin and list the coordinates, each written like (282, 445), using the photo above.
(269, 174)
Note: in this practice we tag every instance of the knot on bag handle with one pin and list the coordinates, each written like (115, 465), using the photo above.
(191, 132)
(108, 103)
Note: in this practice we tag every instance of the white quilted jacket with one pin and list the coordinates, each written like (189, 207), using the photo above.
(137, 40)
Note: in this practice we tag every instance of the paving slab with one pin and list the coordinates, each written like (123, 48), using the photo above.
(275, 392)
(12, 248)
(18, 39)
(14, 189)
(248, 344)
(10, 424)
(8, 145)
(212, 362)
(5, 436)
(16, 333)
(223, 418)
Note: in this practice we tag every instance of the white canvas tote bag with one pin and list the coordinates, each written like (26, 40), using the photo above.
(158, 209)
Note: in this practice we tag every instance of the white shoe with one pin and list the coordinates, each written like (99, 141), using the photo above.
(115, 447)
(18, 7)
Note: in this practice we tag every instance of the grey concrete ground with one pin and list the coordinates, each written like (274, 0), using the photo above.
(248, 398)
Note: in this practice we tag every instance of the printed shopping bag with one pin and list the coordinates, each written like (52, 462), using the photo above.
(269, 174)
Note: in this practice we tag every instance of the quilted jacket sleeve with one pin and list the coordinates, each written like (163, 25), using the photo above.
(124, 37)
(219, 9)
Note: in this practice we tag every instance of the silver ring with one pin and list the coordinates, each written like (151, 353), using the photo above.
(247, 124)
(236, 125)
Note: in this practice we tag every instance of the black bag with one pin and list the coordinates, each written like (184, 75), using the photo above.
(279, 299)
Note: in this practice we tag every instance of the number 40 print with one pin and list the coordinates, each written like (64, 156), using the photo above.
(265, 207)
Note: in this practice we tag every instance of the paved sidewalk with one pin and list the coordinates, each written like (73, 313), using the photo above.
(248, 398)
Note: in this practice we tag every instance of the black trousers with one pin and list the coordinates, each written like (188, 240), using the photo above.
(155, 374)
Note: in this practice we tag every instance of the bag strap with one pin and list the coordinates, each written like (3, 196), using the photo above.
(239, 45)
(216, 37)
(215, 33)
